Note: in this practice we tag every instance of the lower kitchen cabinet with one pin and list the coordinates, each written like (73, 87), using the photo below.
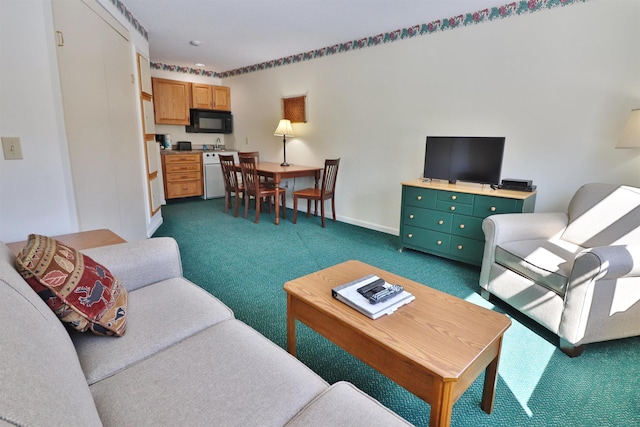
(182, 174)
(446, 219)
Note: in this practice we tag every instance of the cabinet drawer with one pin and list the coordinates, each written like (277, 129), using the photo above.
(467, 226)
(182, 158)
(184, 189)
(469, 249)
(182, 167)
(453, 207)
(422, 238)
(428, 218)
(183, 176)
(485, 206)
(452, 196)
(420, 197)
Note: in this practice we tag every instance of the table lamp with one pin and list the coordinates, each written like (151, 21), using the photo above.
(631, 134)
(284, 129)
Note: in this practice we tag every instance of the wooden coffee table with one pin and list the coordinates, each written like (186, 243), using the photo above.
(435, 347)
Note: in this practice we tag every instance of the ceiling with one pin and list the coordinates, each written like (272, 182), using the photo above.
(239, 33)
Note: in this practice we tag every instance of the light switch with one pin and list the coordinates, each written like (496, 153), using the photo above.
(11, 148)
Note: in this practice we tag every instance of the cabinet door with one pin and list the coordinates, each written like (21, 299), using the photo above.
(201, 96)
(221, 98)
(145, 75)
(171, 101)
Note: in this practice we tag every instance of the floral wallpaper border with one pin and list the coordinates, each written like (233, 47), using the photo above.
(472, 18)
(129, 16)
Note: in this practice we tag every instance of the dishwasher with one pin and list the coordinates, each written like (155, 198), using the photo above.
(213, 180)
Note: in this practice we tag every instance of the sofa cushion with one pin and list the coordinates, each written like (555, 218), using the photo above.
(546, 262)
(41, 382)
(160, 315)
(82, 293)
(343, 404)
(226, 375)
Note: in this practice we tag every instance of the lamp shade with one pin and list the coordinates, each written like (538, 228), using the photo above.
(631, 134)
(284, 128)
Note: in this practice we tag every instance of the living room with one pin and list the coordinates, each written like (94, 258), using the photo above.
(559, 83)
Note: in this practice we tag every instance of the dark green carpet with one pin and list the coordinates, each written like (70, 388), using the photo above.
(245, 265)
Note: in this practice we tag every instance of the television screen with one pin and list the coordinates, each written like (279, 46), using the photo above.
(469, 158)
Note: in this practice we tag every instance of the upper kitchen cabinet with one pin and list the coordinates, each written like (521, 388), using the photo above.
(208, 97)
(171, 101)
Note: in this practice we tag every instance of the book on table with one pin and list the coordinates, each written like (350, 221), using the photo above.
(349, 294)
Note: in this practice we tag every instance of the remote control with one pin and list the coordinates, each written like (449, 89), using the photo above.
(385, 294)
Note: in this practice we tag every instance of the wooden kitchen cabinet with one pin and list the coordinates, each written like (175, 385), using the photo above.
(182, 175)
(171, 101)
(209, 97)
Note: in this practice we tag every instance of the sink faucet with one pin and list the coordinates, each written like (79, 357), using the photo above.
(218, 144)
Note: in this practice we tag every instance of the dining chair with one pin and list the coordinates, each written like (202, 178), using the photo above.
(231, 182)
(255, 154)
(326, 191)
(259, 190)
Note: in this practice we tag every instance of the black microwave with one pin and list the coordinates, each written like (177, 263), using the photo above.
(209, 121)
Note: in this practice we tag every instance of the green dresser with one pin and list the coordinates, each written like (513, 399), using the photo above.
(446, 219)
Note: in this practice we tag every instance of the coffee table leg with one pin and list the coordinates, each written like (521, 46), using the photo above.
(490, 382)
(442, 407)
(291, 328)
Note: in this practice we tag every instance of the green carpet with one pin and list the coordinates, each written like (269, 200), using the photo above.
(245, 265)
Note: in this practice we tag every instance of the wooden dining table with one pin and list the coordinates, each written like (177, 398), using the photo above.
(278, 173)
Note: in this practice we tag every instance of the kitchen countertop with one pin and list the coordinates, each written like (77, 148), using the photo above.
(195, 151)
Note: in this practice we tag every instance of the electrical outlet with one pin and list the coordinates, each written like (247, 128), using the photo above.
(11, 148)
(246, 140)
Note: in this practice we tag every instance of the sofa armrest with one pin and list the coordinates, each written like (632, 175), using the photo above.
(501, 228)
(140, 263)
(609, 262)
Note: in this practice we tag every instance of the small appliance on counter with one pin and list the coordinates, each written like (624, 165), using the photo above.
(164, 140)
(184, 145)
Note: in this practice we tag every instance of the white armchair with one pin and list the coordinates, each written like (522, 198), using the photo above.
(575, 273)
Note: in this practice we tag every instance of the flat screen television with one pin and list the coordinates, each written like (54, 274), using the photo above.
(464, 158)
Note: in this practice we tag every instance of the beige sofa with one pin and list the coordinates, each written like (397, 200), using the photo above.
(576, 273)
(184, 359)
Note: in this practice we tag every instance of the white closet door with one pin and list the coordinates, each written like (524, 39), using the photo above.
(99, 98)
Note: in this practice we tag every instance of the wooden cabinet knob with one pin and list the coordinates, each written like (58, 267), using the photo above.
(492, 209)
(441, 222)
(453, 208)
(454, 197)
(419, 197)
(439, 242)
(409, 235)
(460, 247)
(461, 226)
(411, 216)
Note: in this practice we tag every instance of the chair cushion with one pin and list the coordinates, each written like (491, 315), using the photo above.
(82, 293)
(546, 262)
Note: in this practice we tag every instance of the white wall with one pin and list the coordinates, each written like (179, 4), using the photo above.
(559, 84)
(36, 195)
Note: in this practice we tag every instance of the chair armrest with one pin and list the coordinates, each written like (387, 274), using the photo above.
(608, 262)
(501, 228)
(140, 263)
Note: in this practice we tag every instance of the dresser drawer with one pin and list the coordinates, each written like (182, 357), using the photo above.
(184, 189)
(469, 249)
(452, 196)
(454, 207)
(183, 176)
(422, 238)
(428, 218)
(485, 206)
(182, 167)
(467, 226)
(420, 197)
(182, 158)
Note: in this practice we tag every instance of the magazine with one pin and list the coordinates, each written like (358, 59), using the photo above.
(348, 294)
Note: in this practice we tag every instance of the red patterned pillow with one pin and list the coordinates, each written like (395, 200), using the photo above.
(80, 291)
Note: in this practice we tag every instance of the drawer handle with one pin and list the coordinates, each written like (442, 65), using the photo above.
(461, 225)
(453, 208)
(409, 235)
(439, 242)
(411, 216)
(492, 208)
(441, 222)
(454, 197)
(460, 247)
(419, 197)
